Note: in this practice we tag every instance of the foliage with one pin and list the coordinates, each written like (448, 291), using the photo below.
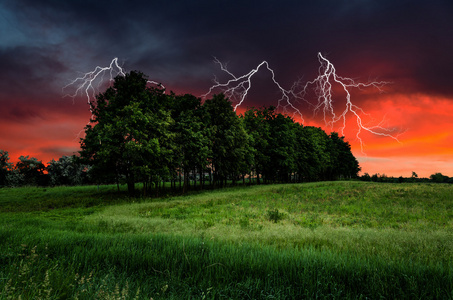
(285, 151)
(228, 139)
(5, 167)
(143, 134)
(140, 134)
(30, 171)
(191, 143)
(274, 215)
(130, 137)
(68, 170)
(439, 178)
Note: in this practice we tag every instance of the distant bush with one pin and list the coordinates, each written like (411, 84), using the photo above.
(274, 215)
(439, 178)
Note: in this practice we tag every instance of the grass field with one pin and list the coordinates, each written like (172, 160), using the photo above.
(316, 240)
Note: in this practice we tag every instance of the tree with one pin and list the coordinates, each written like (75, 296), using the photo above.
(344, 164)
(284, 150)
(366, 177)
(273, 138)
(5, 167)
(129, 133)
(259, 132)
(414, 177)
(438, 178)
(228, 139)
(191, 135)
(31, 170)
(319, 159)
(67, 170)
(307, 159)
(280, 148)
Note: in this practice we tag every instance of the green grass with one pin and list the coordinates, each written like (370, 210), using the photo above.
(316, 240)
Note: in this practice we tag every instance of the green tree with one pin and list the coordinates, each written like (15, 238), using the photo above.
(344, 164)
(228, 139)
(280, 147)
(129, 134)
(191, 136)
(317, 148)
(273, 138)
(67, 170)
(259, 132)
(306, 159)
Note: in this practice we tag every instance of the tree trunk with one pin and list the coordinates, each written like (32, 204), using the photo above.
(186, 179)
(210, 177)
(180, 179)
(201, 177)
(131, 187)
(144, 188)
(156, 183)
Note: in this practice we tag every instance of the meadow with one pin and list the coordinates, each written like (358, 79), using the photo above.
(335, 240)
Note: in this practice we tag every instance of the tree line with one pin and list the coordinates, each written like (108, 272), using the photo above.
(139, 133)
(433, 178)
(142, 134)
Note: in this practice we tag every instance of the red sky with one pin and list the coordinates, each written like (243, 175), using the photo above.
(424, 132)
(46, 44)
(425, 143)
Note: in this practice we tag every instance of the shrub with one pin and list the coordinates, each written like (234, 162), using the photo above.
(274, 215)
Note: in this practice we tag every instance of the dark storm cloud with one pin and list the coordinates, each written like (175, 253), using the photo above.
(30, 86)
(28, 70)
(176, 40)
(411, 38)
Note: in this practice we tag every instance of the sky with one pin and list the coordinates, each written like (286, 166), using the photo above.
(46, 44)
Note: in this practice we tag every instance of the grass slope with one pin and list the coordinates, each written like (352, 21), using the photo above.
(316, 240)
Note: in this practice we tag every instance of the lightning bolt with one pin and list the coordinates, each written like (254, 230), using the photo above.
(90, 82)
(237, 88)
(323, 87)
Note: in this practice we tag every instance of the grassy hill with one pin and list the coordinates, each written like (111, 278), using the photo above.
(314, 240)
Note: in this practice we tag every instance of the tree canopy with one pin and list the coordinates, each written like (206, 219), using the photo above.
(140, 133)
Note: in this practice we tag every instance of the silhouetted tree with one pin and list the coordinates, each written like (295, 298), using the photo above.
(5, 167)
(438, 178)
(280, 148)
(320, 161)
(31, 170)
(344, 164)
(366, 177)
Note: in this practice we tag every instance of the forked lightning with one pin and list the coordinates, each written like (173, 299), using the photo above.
(236, 88)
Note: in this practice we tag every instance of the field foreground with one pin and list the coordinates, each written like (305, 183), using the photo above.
(314, 240)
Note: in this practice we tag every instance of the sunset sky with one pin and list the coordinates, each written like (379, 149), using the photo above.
(46, 44)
